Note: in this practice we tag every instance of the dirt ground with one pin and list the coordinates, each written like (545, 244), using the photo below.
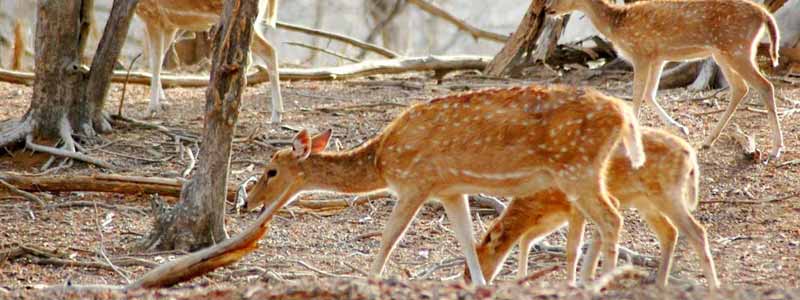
(323, 253)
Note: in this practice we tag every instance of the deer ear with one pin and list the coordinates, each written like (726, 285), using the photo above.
(320, 141)
(301, 145)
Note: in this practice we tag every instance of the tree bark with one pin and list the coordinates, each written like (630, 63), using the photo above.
(66, 95)
(526, 39)
(197, 221)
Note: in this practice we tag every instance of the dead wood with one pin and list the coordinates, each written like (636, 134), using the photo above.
(523, 40)
(30, 197)
(198, 263)
(363, 69)
(101, 183)
(791, 195)
(19, 46)
(326, 51)
(538, 274)
(475, 32)
(747, 143)
(339, 37)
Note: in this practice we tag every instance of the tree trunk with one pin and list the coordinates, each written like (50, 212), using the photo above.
(197, 221)
(66, 95)
(536, 32)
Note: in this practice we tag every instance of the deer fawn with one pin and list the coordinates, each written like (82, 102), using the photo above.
(664, 191)
(163, 19)
(649, 33)
(510, 142)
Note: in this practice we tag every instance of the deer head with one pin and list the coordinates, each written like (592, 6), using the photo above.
(285, 175)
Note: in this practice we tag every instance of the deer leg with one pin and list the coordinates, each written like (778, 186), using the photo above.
(650, 91)
(457, 210)
(696, 235)
(640, 71)
(577, 225)
(408, 204)
(270, 56)
(589, 266)
(738, 89)
(667, 238)
(594, 203)
(168, 37)
(747, 68)
(154, 48)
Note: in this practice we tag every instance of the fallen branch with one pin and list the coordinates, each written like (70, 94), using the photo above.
(168, 187)
(30, 197)
(624, 272)
(538, 274)
(78, 204)
(634, 257)
(747, 143)
(472, 30)
(338, 37)
(791, 195)
(65, 153)
(366, 68)
(326, 51)
(198, 263)
(321, 272)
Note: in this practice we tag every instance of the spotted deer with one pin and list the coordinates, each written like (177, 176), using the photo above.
(163, 19)
(508, 142)
(650, 33)
(664, 191)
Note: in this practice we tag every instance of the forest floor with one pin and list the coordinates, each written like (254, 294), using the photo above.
(756, 246)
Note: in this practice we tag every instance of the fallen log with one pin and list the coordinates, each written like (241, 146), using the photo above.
(362, 69)
(167, 187)
(201, 262)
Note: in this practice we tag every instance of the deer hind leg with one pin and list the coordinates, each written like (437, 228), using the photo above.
(265, 50)
(593, 202)
(738, 89)
(650, 90)
(155, 40)
(746, 67)
(667, 238)
(408, 204)
(676, 211)
(168, 37)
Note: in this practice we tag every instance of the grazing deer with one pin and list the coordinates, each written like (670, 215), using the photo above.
(163, 18)
(510, 142)
(650, 33)
(664, 191)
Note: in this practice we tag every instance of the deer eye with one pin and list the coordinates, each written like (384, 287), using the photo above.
(272, 173)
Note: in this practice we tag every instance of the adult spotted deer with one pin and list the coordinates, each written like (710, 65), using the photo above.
(508, 142)
(650, 33)
(163, 19)
(664, 191)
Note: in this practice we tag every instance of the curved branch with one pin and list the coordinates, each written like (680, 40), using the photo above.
(472, 30)
(64, 153)
(339, 37)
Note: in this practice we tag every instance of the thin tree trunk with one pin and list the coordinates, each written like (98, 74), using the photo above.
(198, 220)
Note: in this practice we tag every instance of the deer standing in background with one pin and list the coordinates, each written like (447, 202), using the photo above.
(506, 142)
(163, 19)
(650, 33)
(664, 191)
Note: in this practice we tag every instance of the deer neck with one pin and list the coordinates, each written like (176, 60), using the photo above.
(352, 171)
(602, 15)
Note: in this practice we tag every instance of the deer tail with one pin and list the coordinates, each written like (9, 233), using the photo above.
(774, 38)
(632, 138)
